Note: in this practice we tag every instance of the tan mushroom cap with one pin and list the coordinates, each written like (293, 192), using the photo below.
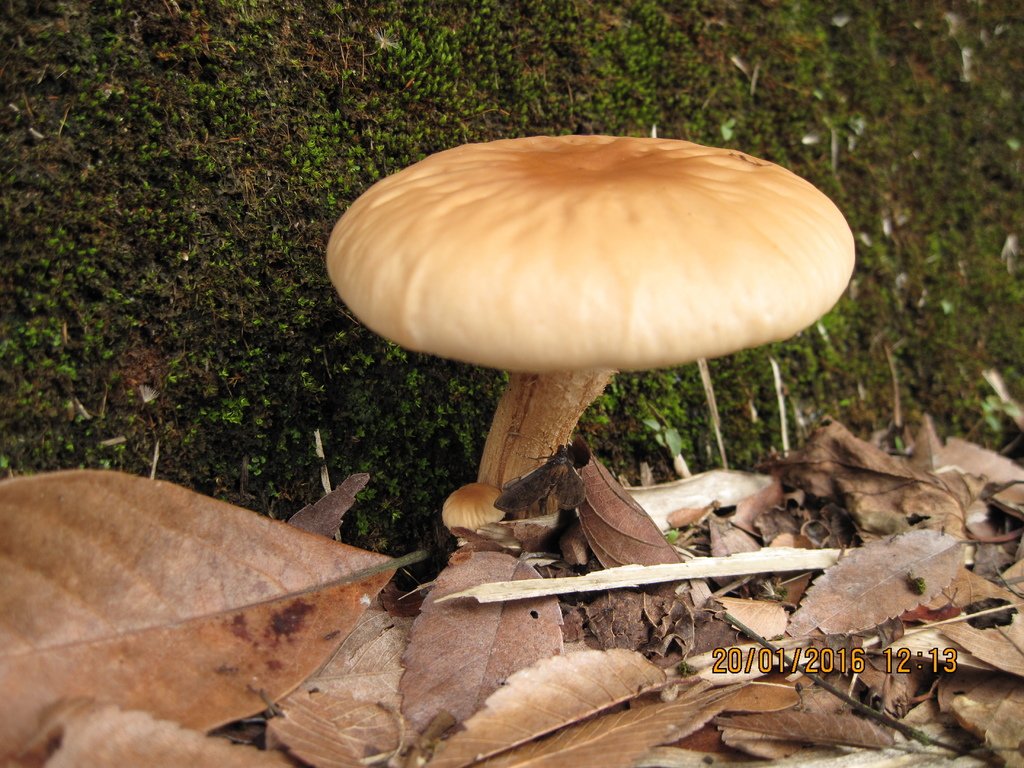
(471, 506)
(578, 252)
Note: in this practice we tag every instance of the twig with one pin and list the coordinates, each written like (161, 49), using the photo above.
(781, 397)
(881, 717)
(325, 477)
(897, 412)
(767, 560)
(709, 393)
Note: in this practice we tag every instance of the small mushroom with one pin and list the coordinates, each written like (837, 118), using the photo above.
(471, 506)
(564, 259)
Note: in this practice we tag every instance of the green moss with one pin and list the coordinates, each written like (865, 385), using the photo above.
(168, 229)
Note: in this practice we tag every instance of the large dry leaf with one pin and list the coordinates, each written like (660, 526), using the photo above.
(79, 733)
(549, 695)
(617, 529)
(460, 651)
(814, 728)
(878, 581)
(881, 492)
(147, 595)
(618, 739)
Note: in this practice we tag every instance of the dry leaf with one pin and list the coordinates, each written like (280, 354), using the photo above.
(881, 492)
(79, 733)
(460, 651)
(727, 539)
(368, 664)
(724, 487)
(878, 581)
(814, 728)
(618, 530)
(324, 516)
(760, 745)
(618, 739)
(767, 619)
(1000, 646)
(334, 730)
(547, 696)
(152, 597)
(354, 699)
(972, 458)
(764, 696)
(992, 708)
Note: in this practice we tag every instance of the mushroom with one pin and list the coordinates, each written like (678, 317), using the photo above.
(564, 259)
(471, 506)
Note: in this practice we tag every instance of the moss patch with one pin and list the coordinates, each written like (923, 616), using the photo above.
(172, 170)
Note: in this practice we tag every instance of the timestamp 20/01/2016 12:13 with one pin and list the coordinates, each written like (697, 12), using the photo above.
(739, 660)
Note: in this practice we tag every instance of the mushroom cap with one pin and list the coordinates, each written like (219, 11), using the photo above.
(471, 506)
(576, 252)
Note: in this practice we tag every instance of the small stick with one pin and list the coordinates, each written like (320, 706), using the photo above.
(780, 395)
(897, 412)
(767, 560)
(156, 458)
(709, 393)
(325, 478)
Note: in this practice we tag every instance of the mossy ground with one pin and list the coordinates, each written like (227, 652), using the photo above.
(171, 171)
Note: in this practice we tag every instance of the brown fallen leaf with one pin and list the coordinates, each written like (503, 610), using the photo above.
(878, 581)
(882, 492)
(751, 508)
(150, 596)
(324, 516)
(996, 468)
(759, 744)
(368, 664)
(618, 530)
(767, 695)
(814, 728)
(618, 739)
(549, 695)
(768, 619)
(79, 733)
(353, 700)
(727, 539)
(992, 708)
(460, 651)
(999, 645)
(334, 730)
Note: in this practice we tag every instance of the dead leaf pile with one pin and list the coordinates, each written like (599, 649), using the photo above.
(136, 608)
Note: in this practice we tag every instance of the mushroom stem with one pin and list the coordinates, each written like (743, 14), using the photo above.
(536, 415)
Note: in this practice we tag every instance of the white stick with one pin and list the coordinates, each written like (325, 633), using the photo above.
(767, 560)
(325, 477)
(779, 394)
(156, 458)
(709, 393)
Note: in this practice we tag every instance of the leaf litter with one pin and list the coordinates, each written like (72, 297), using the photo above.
(187, 598)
